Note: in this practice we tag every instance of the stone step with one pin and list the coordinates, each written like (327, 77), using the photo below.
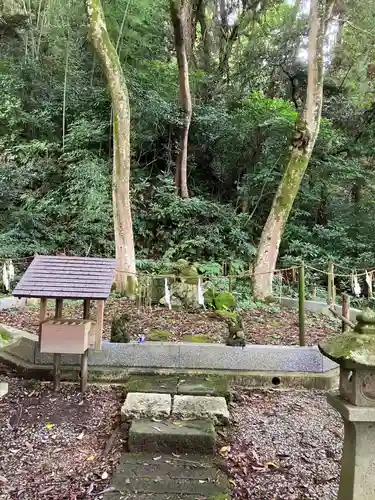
(201, 407)
(173, 436)
(185, 385)
(162, 406)
(167, 477)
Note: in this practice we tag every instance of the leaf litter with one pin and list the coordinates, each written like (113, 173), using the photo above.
(284, 445)
(277, 325)
(55, 451)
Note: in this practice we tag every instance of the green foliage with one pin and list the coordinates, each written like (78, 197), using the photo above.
(56, 186)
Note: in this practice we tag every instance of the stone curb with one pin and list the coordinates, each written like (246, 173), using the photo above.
(216, 357)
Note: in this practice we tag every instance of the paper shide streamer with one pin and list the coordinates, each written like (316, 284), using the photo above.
(8, 274)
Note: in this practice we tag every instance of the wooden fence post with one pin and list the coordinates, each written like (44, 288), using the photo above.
(345, 308)
(330, 283)
(301, 304)
(56, 356)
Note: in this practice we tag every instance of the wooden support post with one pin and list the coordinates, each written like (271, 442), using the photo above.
(301, 304)
(345, 308)
(42, 313)
(57, 357)
(314, 291)
(99, 324)
(42, 317)
(330, 284)
(85, 355)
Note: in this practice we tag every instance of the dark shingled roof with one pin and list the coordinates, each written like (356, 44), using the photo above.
(63, 277)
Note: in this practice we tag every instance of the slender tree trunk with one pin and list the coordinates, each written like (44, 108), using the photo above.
(179, 10)
(306, 132)
(125, 256)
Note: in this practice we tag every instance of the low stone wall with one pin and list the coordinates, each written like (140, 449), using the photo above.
(318, 306)
(258, 364)
(11, 302)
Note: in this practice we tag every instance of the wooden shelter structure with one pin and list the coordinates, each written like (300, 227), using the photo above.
(75, 278)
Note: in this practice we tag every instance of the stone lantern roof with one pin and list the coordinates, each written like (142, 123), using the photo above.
(354, 349)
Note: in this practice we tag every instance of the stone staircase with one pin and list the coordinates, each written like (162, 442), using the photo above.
(171, 441)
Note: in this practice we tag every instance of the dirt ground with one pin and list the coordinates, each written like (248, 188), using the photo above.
(272, 325)
(56, 446)
(284, 446)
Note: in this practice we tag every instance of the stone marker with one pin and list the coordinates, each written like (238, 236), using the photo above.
(172, 436)
(355, 353)
(3, 389)
(201, 407)
(146, 405)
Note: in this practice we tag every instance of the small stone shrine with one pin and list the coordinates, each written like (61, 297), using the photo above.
(77, 278)
(354, 351)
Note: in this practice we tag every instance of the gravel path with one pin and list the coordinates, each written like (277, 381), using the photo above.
(285, 446)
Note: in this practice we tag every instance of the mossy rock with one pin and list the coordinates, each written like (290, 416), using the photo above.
(201, 338)
(159, 335)
(227, 315)
(180, 264)
(190, 275)
(120, 331)
(224, 301)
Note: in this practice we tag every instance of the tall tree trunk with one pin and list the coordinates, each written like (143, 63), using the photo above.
(306, 132)
(125, 256)
(179, 12)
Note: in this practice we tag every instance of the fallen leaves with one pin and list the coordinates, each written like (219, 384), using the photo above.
(41, 457)
(274, 435)
(279, 325)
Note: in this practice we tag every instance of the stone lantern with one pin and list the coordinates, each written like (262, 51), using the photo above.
(354, 351)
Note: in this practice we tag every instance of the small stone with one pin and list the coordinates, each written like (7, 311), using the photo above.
(148, 405)
(3, 389)
(201, 407)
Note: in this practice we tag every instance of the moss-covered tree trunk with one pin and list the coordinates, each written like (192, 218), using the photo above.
(306, 132)
(125, 256)
(179, 10)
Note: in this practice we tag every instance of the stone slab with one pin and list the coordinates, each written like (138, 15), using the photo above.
(203, 357)
(3, 389)
(251, 358)
(187, 477)
(204, 386)
(350, 412)
(163, 384)
(146, 405)
(172, 436)
(200, 407)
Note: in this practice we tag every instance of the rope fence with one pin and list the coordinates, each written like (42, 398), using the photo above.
(298, 276)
